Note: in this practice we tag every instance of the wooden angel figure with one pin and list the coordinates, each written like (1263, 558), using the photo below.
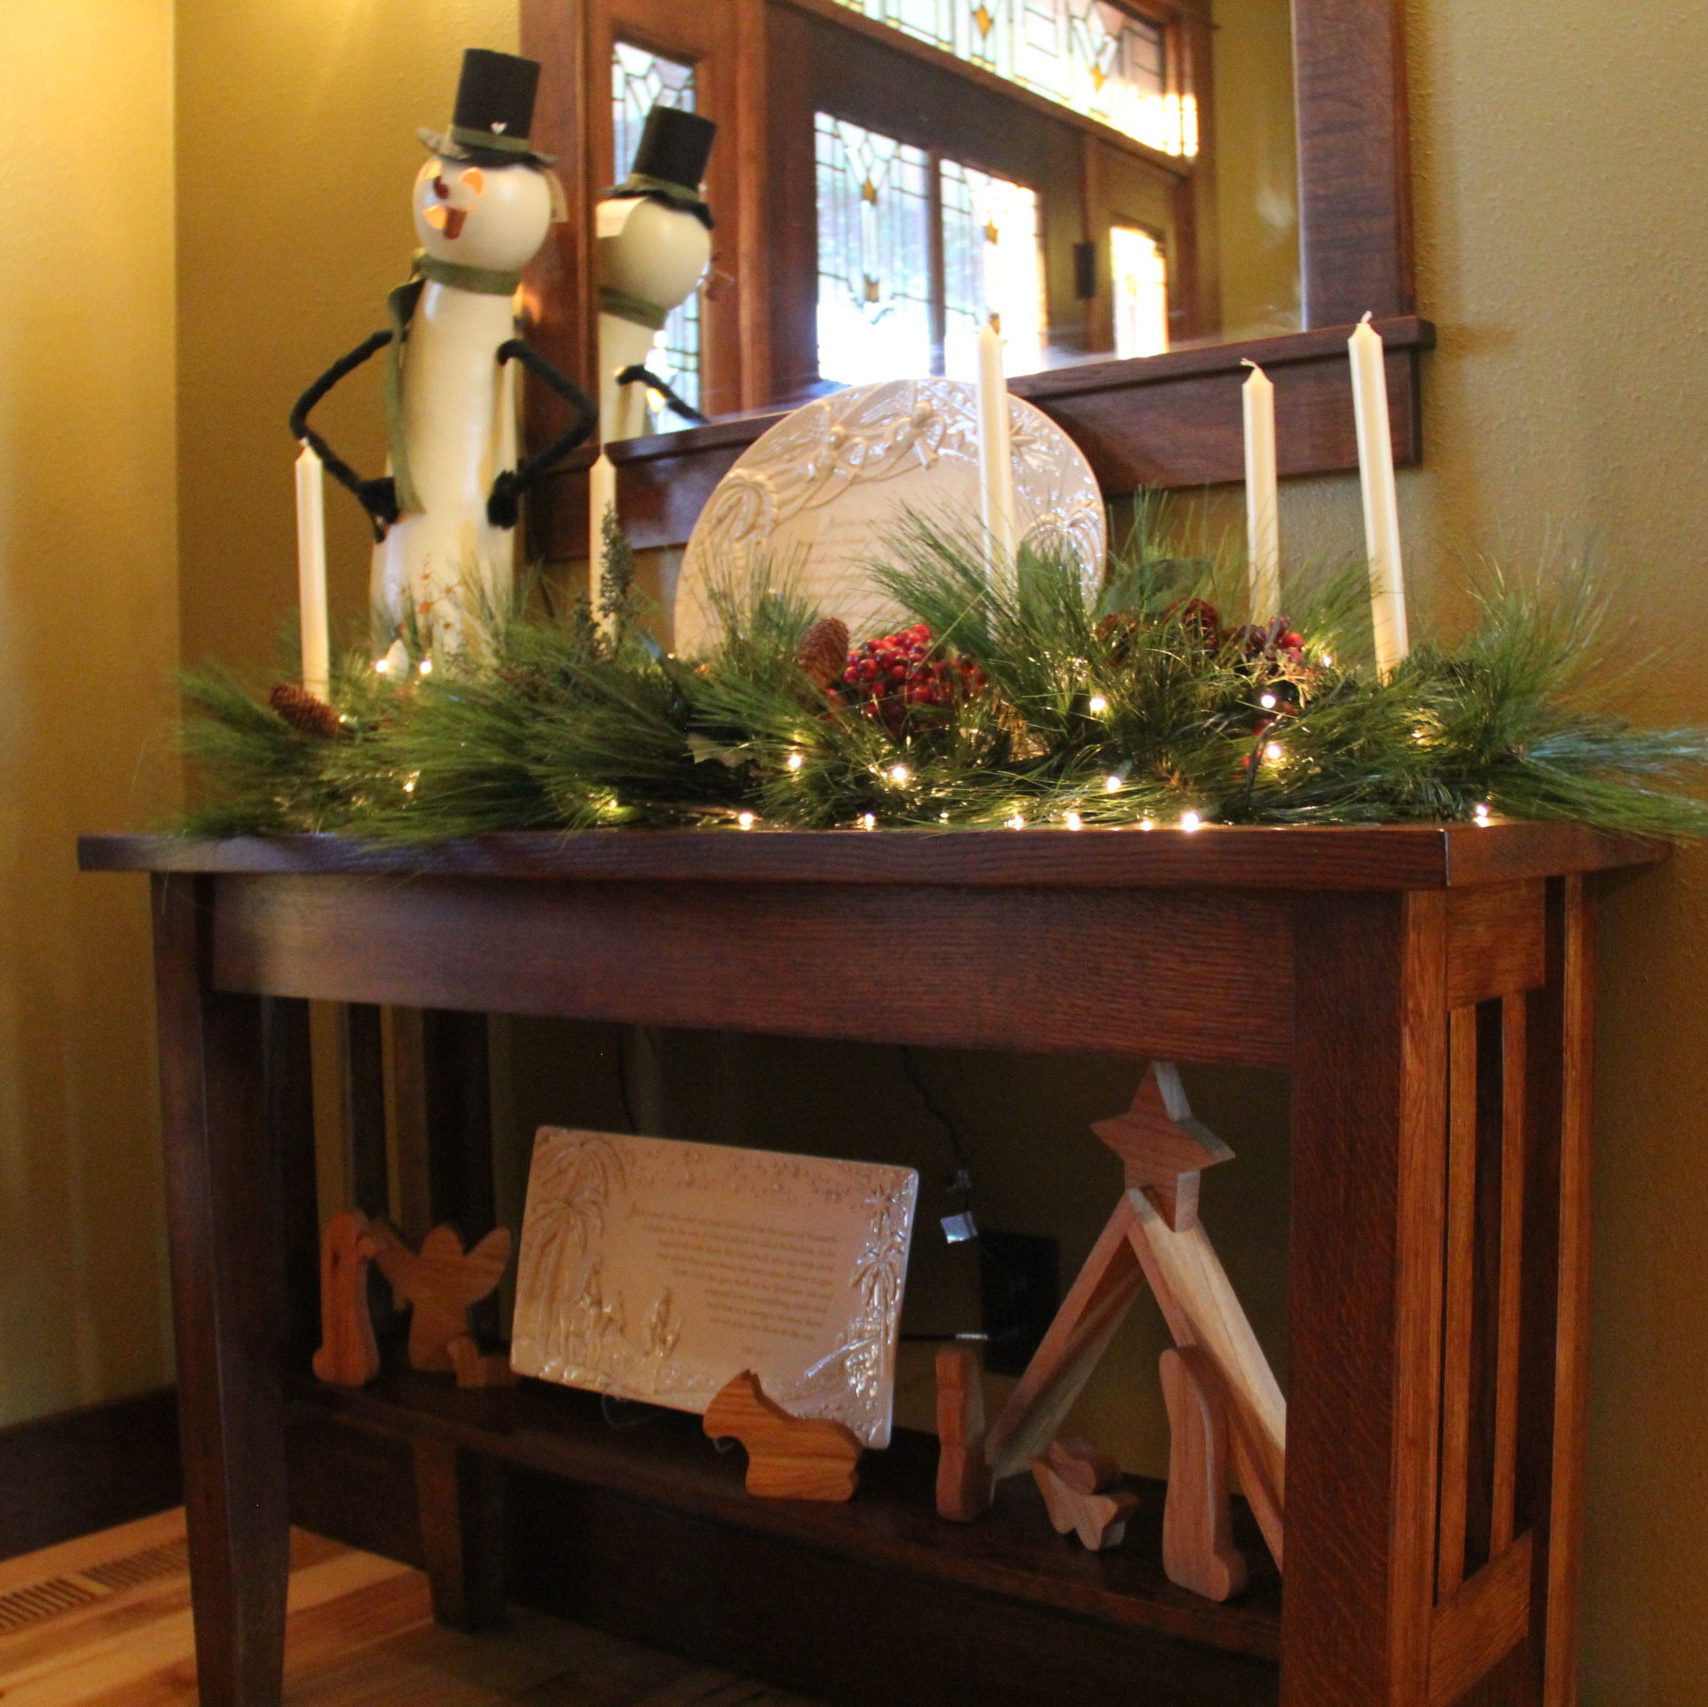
(440, 1283)
(444, 514)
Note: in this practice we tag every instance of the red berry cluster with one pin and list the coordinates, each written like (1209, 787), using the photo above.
(897, 679)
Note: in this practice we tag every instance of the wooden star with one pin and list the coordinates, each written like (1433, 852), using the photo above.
(1162, 1147)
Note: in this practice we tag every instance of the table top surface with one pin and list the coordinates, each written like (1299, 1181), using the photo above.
(1375, 857)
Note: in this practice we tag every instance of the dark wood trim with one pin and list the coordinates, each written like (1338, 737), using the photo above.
(78, 1471)
(1158, 421)
(1389, 856)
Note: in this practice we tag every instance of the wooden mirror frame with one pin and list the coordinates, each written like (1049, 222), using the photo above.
(1171, 420)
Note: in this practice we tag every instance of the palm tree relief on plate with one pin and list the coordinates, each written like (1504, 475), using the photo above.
(655, 1269)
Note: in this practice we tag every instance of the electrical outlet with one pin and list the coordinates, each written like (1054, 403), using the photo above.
(1021, 1290)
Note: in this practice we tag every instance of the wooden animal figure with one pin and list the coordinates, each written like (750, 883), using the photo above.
(440, 1283)
(477, 1368)
(1078, 1484)
(347, 1356)
(788, 1458)
(444, 514)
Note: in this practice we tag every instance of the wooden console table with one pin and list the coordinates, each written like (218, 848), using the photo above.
(1428, 989)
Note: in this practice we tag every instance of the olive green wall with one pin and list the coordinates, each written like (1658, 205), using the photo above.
(88, 641)
(1257, 168)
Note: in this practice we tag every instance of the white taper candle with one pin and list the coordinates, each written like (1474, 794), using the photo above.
(1381, 500)
(311, 574)
(996, 457)
(1262, 519)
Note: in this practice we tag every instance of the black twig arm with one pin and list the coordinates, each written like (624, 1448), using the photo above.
(672, 400)
(377, 497)
(503, 506)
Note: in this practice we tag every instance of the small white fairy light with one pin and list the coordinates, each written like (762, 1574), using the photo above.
(795, 761)
(1274, 752)
(1111, 785)
(1097, 704)
(1328, 660)
(1017, 822)
(1147, 823)
(382, 666)
(1268, 702)
(1191, 822)
(899, 774)
(1481, 813)
(1074, 821)
(747, 820)
(869, 822)
(942, 817)
(426, 666)
(410, 781)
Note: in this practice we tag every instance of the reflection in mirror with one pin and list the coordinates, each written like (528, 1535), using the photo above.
(1103, 178)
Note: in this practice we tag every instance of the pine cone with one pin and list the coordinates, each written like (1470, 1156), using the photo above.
(823, 651)
(305, 713)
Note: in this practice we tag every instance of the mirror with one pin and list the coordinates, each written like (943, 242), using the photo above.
(1102, 178)
(1145, 190)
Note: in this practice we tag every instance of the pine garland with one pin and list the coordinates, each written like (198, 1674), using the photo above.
(1015, 700)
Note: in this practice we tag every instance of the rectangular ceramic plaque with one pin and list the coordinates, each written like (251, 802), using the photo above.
(658, 1270)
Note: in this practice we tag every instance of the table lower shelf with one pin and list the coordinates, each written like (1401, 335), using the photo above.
(891, 1523)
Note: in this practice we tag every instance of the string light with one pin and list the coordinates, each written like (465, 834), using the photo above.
(1017, 822)
(1274, 752)
(426, 666)
(410, 782)
(1328, 660)
(899, 773)
(382, 666)
(1481, 813)
(1098, 704)
(1268, 702)
(1147, 823)
(1074, 821)
(1111, 785)
(795, 761)
(869, 822)
(747, 820)
(1190, 822)
(942, 817)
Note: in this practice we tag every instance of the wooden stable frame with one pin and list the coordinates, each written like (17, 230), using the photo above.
(1428, 988)
(1160, 421)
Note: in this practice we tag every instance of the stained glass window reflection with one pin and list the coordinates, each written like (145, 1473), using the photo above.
(1138, 269)
(1093, 56)
(640, 81)
(993, 264)
(889, 304)
(874, 254)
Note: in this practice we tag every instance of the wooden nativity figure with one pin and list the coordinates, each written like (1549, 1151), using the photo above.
(444, 514)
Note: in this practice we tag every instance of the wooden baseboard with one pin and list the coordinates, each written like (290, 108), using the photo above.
(79, 1471)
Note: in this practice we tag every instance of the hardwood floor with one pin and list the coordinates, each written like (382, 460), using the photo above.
(104, 1621)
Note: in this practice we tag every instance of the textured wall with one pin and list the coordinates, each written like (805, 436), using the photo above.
(87, 645)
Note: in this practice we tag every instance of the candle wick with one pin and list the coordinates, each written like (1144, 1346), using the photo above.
(1367, 317)
(1246, 361)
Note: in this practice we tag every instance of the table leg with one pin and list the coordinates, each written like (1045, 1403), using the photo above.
(1369, 1130)
(225, 1290)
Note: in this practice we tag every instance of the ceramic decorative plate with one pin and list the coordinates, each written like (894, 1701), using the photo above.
(815, 496)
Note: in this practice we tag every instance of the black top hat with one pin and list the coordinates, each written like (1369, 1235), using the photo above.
(671, 161)
(494, 112)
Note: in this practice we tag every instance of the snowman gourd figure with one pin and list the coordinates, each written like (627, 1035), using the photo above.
(654, 236)
(445, 514)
